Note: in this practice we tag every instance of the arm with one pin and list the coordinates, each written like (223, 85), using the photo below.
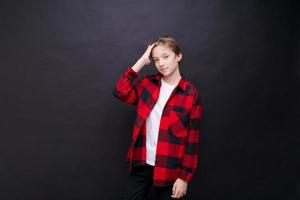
(190, 159)
(124, 89)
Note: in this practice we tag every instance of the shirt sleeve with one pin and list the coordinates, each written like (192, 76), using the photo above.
(124, 88)
(190, 159)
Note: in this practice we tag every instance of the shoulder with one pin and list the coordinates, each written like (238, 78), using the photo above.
(193, 91)
(154, 78)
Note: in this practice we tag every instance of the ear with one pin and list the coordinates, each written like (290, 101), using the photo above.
(179, 57)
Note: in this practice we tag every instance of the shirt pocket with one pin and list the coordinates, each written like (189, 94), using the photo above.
(178, 123)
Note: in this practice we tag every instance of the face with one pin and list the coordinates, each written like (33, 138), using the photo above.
(165, 60)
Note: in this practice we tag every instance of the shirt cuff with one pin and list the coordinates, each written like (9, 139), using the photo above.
(186, 176)
(130, 73)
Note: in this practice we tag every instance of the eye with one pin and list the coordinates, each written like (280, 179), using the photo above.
(165, 57)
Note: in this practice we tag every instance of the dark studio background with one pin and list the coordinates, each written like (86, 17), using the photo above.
(64, 136)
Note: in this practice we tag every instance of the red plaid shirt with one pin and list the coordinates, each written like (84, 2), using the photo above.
(178, 140)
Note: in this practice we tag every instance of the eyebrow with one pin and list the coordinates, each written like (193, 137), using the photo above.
(162, 55)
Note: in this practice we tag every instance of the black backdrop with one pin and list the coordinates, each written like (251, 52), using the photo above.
(64, 136)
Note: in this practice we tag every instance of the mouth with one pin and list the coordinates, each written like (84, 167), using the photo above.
(163, 69)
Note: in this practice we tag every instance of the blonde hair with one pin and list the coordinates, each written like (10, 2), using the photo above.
(168, 41)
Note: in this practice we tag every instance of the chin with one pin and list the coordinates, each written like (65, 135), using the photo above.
(165, 73)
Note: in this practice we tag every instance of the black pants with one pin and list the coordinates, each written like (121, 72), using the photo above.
(140, 182)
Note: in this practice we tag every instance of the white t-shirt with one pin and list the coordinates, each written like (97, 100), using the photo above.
(153, 121)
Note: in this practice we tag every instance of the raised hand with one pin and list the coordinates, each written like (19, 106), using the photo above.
(144, 59)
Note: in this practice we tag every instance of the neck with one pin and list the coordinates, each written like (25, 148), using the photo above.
(173, 78)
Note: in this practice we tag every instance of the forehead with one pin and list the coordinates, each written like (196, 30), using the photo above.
(160, 50)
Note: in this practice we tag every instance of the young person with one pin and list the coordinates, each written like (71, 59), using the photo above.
(163, 153)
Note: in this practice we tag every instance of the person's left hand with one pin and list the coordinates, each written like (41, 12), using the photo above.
(179, 188)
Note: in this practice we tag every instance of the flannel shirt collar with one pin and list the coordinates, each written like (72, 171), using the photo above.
(182, 83)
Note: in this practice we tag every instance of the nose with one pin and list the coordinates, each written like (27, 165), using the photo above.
(160, 63)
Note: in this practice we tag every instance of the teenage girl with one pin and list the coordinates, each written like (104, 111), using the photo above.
(163, 153)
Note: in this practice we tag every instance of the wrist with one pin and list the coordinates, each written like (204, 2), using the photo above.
(138, 65)
(182, 180)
